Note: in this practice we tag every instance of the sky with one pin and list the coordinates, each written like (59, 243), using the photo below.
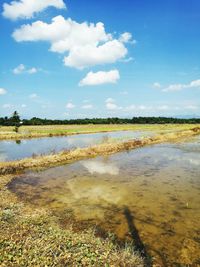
(64, 59)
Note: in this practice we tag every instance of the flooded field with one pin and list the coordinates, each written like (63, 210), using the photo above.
(150, 195)
(18, 149)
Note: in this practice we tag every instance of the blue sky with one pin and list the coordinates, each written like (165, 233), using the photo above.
(74, 59)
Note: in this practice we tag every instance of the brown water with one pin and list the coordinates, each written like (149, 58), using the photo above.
(150, 195)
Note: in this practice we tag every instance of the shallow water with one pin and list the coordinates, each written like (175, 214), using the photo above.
(150, 194)
(13, 150)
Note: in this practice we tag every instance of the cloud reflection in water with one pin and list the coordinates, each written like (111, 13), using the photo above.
(100, 167)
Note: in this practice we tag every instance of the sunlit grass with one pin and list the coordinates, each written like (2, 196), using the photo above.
(56, 130)
(34, 237)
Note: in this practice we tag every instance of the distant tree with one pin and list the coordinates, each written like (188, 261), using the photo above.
(15, 121)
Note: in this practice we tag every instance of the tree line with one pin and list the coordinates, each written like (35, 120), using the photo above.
(15, 120)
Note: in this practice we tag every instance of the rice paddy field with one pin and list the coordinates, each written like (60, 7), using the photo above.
(7, 132)
(113, 195)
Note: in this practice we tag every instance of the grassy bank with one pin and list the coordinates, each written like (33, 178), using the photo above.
(7, 133)
(34, 237)
(102, 149)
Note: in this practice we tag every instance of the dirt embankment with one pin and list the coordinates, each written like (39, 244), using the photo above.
(102, 149)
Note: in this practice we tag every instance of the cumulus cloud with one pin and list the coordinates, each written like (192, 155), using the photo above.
(90, 55)
(19, 69)
(25, 9)
(100, 77)
(180, 86)
(22, 69)
(126, 37)
(32, 70)
(69, 105)
(86, 44)
(3, 91)
(111, 105)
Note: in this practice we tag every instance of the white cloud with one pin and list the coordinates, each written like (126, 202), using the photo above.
(91, 55)
(89, 106)
(32, 70)
(69, 105)
(111, 105)
(138, 108)
(192, 107)
(25, 9)
(157, 85)
(163, 107)
(3, 91)
(142, 107)
(19, 69)
(33, 96)
(129, 108)
(23, 106)
(126, 37)
(126, 60)
(22, 69)
(108, 100)
(85, 44)
(100, 77)
(179, 86)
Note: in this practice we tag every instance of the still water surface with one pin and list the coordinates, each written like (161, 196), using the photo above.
(152, 192)
(14, 150)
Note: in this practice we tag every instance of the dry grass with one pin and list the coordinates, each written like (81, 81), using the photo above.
(102, 149)
(7, 133)
(33, 237)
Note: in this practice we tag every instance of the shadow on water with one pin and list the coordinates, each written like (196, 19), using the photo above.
(136, 239)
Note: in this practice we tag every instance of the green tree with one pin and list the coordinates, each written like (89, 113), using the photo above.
(15, 121)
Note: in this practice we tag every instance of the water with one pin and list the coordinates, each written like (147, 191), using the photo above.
(15, 150)
(150, 195)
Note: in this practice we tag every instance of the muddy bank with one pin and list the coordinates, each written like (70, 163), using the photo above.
(102, 149)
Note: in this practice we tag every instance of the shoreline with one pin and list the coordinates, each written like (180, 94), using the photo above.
(69, 130)
(64, 157)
